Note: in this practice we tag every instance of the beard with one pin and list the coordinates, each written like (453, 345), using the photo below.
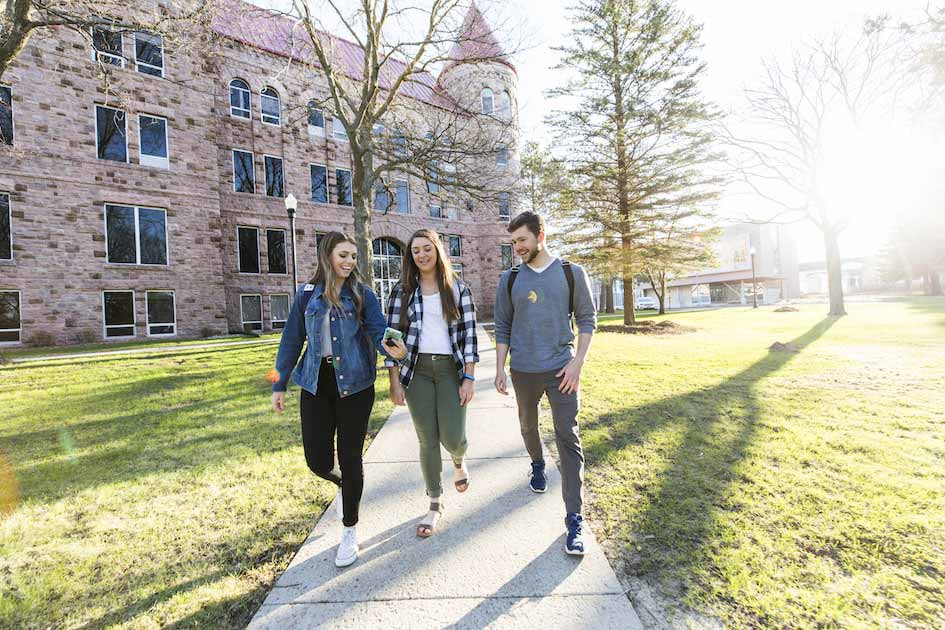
(530, 256)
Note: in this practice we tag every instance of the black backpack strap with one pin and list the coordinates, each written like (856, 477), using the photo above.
(306, 296)
(569, 275)
(512, 278)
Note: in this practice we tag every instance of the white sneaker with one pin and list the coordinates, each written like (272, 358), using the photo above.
(347, 548)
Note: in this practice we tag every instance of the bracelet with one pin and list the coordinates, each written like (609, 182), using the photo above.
(469, 377)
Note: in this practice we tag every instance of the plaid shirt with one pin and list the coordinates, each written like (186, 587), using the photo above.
(462, 332)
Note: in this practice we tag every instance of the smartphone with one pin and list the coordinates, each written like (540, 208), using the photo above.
(392, 334)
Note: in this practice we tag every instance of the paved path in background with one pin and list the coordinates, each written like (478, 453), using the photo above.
(497, 558)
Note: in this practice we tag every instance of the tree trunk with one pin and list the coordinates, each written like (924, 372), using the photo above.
(610, 296)
(834, 273)
(361, 192)
(17, 35)
(602, 300)
(662, 294)
(629, 315)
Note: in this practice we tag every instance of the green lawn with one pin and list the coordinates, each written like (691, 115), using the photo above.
(153, 491)
(774, 489)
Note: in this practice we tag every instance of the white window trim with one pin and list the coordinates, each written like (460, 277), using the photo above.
(273, 320)
(262, 114)
(10, 219)
(265, 174)
(459, 239)
(499, 162)
(249, 112)
(19, 331)
(315, 130)
(150, 160)
(508, 218)
(137, 263)
(335, 124)
(502, 247)
(147, 65)
(233, 166)
(13, 114)
(440, 215)
(327, 191)
(243, 321)
(397, 195)
(482, 101)
(458, 269)
(285, 246)
(134, 317)
(147, 314)
(96, 52)
(239, 256)
(337, 189)
(95, 115)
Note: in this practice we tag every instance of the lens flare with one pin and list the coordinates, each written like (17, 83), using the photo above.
(273, 375)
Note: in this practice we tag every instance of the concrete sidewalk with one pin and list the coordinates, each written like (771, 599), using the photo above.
(497, 558)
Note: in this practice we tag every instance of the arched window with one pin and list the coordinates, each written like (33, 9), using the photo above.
(505, 105)
(388, 256)
(239, 99)
(488, 104)
(270, 106)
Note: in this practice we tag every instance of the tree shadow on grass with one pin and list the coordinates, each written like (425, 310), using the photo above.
(717, 425)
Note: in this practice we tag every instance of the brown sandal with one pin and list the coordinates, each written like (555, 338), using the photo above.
(462, 485)
(425, 528)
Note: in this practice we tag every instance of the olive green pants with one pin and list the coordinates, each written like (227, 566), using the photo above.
(433, 400)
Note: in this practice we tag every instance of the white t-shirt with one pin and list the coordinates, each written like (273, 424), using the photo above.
(540, 269)
(434, 332)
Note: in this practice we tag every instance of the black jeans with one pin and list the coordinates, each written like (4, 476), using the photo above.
(322, 416)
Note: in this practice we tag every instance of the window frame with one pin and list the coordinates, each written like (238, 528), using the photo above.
(253, 161)
(239, 255)
(96, 52)
(343, 136)
(312, 189)
(502, 157)
(147, 313)
(12, 118)
(243, 320)
(137, 263)
(350, 187)
(272, 320)
(262, 109)
(267, 157)
(315, 130)
(502, 248)
(508, 218)
(125, 134)
(150, 160)
(138, 63)
(459, 270)
(134, 316)
(19, 309)
(382, 184)
(285, 252)
(439, 207)
(482, 101)
(505, 105)
(449, 245)
(249, 94)
(396, 196)
(9, 197)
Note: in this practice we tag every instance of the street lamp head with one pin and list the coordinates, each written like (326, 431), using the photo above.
(751, 250)
(291, 203)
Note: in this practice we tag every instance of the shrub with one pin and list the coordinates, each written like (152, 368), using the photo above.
(42, 339)
(87, 336)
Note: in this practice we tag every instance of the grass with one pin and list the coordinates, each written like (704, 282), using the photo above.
(19, 352)
(150, 491)
(776, 489)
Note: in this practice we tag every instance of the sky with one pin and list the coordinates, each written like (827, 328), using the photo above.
(737, 35)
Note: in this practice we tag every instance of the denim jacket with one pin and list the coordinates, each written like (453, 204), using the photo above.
(353, 342)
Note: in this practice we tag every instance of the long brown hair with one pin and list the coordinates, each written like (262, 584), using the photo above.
(445, 278)
(325, 273)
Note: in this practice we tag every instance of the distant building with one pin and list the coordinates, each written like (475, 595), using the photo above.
(858, 275)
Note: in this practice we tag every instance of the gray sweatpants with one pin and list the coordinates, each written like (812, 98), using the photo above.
(529, 388)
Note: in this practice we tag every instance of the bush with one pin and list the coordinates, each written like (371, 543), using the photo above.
(87, 336)
(42, 339)
(207, 331)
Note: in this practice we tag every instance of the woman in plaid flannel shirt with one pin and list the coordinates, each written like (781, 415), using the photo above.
(435, 311)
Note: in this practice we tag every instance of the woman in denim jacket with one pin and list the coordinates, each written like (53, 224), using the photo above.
(343, 323)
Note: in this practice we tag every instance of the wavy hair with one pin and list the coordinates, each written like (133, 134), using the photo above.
(325, 273)
(445, 278)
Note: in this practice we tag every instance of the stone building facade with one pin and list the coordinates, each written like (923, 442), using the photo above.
(120, 214)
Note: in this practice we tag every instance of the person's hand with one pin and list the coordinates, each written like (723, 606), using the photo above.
(501, 382)
(466, 391)
(572, 377)
(278, 401)
(397, 393)
(398, 350)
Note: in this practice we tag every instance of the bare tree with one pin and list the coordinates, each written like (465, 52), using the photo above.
(830, 82)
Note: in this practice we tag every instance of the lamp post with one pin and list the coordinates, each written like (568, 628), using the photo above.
(754, 286)
(291, 204)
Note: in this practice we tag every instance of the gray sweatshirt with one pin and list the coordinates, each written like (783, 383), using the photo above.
(535, 324)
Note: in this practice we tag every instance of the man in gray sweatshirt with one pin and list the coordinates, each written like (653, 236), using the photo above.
(533, 321)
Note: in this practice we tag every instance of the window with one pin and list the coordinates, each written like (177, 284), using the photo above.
(119, 307)
(343, 187)
(275, 182)
(505, 105)
(455, 245)
(505, 206)
(270, 107)
(382, 196)
(507, 260)
(149, 53)
(110, 134)
(486, 97)
(135, 236)
(502, 157)
(452, 214)
(319, 183)
(244, 179)
(436, 212)
(6, 228)
(6, 115)
(10, 316)
(106, 46)
(279, 310)
(458, 270)
(399, 142)
(316, 120)
(275, 251)
(162, 315)
(433, 180)
(240, 99)
(318, 239)
(403, 196)
(387, 261)
(251, 312)
(338, 129)
(152, 136)
(247, 249)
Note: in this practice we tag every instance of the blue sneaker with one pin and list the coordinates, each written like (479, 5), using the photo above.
(537, 480)
(575, 542)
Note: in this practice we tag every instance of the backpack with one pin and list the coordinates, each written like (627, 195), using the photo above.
(568, 274)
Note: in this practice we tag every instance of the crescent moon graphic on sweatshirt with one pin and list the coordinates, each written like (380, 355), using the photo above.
(532, 297)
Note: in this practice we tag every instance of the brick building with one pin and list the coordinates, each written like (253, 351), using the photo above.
(161, 211)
